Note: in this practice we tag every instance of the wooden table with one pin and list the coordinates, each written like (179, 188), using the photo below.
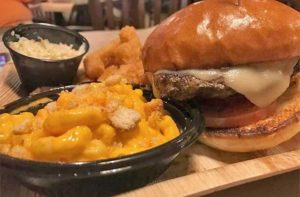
(199, 170)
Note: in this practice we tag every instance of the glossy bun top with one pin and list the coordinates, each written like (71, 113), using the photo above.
(219, 33)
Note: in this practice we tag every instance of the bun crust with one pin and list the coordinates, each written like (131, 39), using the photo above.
(264, 134)
(218, 33)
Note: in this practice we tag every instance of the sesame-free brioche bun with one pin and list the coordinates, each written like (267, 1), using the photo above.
(264, 134)
(219, 33)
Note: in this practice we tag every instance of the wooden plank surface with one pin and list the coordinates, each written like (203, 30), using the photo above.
(197, 171)
(208, 181)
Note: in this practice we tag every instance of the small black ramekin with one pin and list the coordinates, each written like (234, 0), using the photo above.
(104, 177)
(35, 72)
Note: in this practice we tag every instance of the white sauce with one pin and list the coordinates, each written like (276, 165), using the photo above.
(261, 83)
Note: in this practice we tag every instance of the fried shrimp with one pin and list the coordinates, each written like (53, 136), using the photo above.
(120, 57)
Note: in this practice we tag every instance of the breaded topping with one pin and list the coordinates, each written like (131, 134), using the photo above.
(124, 118)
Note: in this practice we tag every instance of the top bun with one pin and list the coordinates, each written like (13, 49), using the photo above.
(218, 33)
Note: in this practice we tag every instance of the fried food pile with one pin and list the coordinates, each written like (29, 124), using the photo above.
(120, 58)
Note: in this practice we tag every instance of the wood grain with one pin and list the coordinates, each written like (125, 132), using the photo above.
(10, 85)
(208, 181)
(197, 171)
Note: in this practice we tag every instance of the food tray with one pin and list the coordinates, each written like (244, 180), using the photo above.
(199, 170)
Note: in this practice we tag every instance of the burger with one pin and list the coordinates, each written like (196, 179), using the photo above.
(238, 61)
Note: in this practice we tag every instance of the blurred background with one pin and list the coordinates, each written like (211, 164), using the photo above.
(90, 15)
(85, 15)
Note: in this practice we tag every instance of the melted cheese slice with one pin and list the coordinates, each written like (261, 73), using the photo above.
(260, 83)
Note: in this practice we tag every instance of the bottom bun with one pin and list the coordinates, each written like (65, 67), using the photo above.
(264, 134)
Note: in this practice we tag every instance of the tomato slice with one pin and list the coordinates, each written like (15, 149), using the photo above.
(234, 111)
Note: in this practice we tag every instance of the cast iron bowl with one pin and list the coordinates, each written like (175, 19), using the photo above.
(103, 177)
(35, 72)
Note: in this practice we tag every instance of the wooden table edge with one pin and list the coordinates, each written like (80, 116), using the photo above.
(223, 177)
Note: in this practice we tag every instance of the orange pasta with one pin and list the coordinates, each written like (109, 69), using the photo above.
(94, 121)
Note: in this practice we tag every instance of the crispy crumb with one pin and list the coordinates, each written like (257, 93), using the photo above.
(153, 105)
(81, 89)
(50, 107)
(112, 80)
(22, 127)
(125, 118)
(112, 105)
(20, 152)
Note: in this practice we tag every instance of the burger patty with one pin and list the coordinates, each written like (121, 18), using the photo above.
(182, 87)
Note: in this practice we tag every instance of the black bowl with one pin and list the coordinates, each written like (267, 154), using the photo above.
(35, 72)
(104, 177)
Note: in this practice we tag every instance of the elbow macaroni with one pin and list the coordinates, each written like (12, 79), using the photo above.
(59, 122)
(77, 127)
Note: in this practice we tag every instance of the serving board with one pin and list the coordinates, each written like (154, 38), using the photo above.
(199, 170)
(215, 170)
